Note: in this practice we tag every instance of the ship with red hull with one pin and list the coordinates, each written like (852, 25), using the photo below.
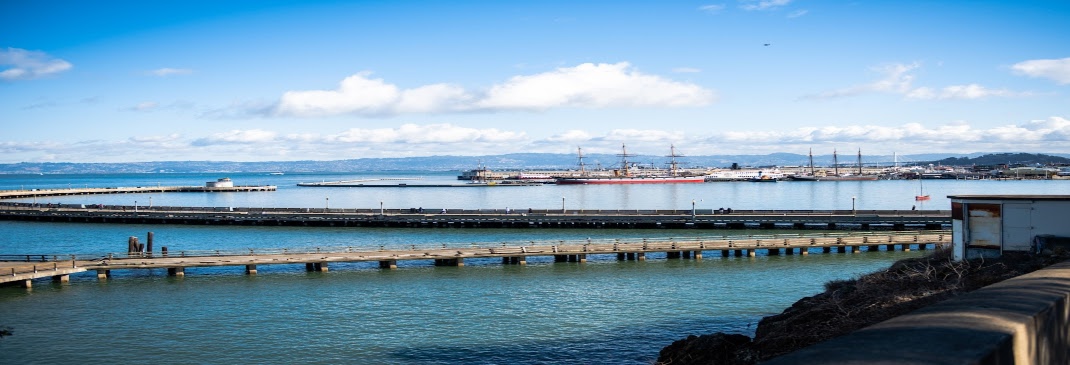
(631, 180)
(625, 175)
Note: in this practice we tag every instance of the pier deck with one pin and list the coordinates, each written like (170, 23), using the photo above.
(317, 259)
(36, 193)
(482, 218)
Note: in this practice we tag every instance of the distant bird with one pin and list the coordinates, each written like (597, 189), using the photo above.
(767, 44)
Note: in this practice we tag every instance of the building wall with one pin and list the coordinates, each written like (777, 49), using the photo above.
(989, 227)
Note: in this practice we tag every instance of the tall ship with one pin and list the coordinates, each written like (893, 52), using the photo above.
(836, 176)
(627, 175)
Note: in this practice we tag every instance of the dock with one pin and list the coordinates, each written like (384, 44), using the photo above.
(483, 218)
(515, 253)
(38, 193)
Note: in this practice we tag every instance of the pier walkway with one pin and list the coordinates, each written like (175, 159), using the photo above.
(36, 193)
(482, 218)
(317, 259)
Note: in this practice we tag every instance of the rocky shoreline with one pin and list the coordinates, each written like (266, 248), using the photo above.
(849, 305)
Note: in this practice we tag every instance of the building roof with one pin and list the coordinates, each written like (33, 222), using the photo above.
(1009, 197)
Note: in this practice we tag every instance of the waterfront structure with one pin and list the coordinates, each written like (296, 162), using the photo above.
(482, 218)
(989, 225)
(629, 174)
(24, 268)
(225, 182)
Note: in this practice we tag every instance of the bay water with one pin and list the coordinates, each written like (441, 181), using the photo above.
(602, 312)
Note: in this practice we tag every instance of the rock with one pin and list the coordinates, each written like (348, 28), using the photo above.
(718, 348)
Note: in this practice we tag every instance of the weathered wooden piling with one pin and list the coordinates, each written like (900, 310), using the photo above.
(148, 243)
(449, 262)
(132, 245)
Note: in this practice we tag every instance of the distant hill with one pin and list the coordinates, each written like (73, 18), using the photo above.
(513, 161)
(1012, 159)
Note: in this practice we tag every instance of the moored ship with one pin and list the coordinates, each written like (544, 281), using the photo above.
(624, 175)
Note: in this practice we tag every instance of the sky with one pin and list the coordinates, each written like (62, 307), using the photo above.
(273, 80)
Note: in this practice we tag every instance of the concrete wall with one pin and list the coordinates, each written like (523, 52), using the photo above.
(1025, 320)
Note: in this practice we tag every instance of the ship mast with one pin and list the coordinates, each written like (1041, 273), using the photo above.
(624, 161)
(579, 156)
(835, 162)
(812, 161)
(673, 165)
(860, 161)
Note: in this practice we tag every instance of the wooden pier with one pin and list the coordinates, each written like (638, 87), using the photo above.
(318, 259)
(483, 218)
(40, 193)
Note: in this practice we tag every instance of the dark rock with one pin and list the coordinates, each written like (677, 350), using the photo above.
(718, 348)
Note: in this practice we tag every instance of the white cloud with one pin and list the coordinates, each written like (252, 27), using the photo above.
(435, 133)
(145, 106)
(797, 13)
(574, 135)
(896, 79)
(899, 79)
(167, 71)
(686, 70)
(26, 65)
(585, 86)
(760, 5)
(251, 136)
(962, 92)
(1050, 135)
(712, 8)
(1057, 70)
(647, 135)
(593, 86)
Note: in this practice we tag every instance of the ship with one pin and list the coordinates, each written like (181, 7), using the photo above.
(625, 174)
(836, 176)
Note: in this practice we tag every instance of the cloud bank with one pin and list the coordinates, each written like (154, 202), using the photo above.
(587, 85)
(1056, 70)
(1051, 135)
(27, 65)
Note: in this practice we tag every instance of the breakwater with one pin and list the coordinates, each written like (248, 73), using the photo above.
(482, 218)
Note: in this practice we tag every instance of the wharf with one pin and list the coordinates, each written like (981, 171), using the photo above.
(482, 218)
(35, 193)
(318, 259)
(377, 183)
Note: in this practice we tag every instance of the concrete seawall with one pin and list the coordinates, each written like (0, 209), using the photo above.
(1024, 320)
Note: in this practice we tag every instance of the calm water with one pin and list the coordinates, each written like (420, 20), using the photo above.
(604, 311)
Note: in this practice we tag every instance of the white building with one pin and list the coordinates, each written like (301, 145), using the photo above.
(988, 225)
(221, 183)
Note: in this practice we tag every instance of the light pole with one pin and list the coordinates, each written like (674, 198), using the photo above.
(327, 203)
(380, 208)
(852, 205)
(692, 210)
(562, 205)
(150, 202)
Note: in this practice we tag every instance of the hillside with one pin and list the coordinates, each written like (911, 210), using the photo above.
(1011, 159)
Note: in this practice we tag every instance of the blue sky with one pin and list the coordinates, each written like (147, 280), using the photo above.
(118, 81)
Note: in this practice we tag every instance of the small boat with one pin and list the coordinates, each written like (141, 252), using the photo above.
(275, 173)
(921, 192)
